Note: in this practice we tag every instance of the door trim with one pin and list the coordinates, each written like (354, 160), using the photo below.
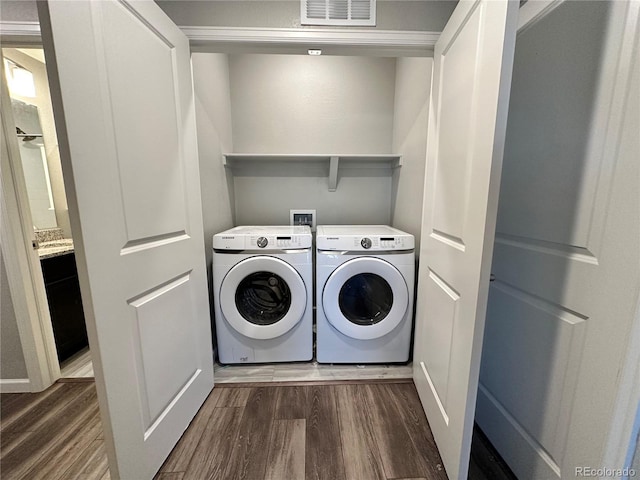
(24, 273)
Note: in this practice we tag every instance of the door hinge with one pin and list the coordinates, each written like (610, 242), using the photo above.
(35, 244)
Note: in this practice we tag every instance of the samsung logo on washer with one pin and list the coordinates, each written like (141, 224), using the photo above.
(228, 238)
(332, 238)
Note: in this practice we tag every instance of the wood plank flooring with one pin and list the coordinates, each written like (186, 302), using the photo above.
(348, 430)
(79, 365)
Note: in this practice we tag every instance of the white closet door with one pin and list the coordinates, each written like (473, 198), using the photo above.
(472, 72)
(123, 100)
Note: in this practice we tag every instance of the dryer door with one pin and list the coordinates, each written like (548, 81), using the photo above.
(365, 298)
(263, 297)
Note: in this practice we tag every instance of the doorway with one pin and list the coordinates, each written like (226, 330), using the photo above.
(39, 160)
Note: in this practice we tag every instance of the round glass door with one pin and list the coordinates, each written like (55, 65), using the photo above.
(365, 298)
(263, 297)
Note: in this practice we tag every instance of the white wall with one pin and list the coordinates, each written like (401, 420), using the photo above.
(45, 110)
(12, 364)
(213, 121)
(411, 109)
(306, 105)
(425, 15)
(18, 10)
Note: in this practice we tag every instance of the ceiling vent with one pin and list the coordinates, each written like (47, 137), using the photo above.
(354, 13)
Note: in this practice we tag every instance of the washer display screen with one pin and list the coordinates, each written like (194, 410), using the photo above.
(263, 298)
(365, 299)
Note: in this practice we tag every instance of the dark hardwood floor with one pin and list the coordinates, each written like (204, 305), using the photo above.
(342, 431)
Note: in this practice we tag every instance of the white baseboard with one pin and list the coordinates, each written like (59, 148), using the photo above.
(15, 385)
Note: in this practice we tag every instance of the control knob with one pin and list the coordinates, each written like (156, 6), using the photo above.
(365, 242)
(262, 242)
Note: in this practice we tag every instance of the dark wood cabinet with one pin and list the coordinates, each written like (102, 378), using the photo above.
(65, 304)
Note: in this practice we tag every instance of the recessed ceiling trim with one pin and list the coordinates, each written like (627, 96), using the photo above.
(273, 37)
(26, 32)
(304, 36)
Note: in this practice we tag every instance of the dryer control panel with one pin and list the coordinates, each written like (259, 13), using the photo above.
(363, 238)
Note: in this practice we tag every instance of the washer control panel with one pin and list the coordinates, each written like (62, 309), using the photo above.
(264, 238)
(276, 242)
(262, 242)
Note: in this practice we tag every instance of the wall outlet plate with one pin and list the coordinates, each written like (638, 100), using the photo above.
(303, 217)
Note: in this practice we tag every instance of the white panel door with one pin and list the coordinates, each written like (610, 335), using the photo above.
(567, 249)
(123, 100)
(470, 92)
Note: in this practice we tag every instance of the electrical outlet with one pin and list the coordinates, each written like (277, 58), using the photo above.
(303, 217)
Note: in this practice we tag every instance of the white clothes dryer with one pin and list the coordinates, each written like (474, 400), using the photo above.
(262, 280)
(365, 278)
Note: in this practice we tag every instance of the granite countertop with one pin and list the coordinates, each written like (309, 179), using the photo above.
(55, 248)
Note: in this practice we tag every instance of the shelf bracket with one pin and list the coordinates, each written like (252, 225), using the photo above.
(333, 173)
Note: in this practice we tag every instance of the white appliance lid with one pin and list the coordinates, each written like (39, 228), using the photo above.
(268, 230)
(371, 238)
(360, 230)
(278, 237)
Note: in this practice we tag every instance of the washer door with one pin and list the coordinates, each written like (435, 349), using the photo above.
(365, 298)
(263, 297)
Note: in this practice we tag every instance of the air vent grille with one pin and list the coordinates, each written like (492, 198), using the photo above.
(338, 12)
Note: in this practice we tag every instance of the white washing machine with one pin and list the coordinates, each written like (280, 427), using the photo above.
(262, 279)
(365, 282)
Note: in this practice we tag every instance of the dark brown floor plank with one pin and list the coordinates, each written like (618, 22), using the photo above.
(69, 447)
(286, 450)
(323, 459)
(90, 465)
(9, 441)
(399, 455)
(248, 459)
(413, 418)
(291, 403)
(180, 456)
(12, 402)
(210, 458)
(362, 458)
(233, 397)
(170, 476)
(14, 405)
(32, 418)
(78, 410)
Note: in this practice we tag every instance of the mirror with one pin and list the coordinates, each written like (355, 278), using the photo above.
(34, 164)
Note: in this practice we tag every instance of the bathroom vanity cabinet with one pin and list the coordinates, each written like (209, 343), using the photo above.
(65, 304)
